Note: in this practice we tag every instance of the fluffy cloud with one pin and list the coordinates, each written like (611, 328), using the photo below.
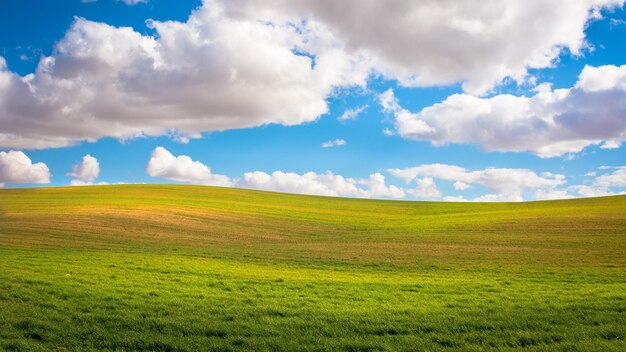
(163, 164)
(425, 189)
(336, 143)
(16, 167)
(550, 123)
(503, 184)
(86, 171)
(508, 184)
(617, 178)
(244, 63)
(181, 168)
(327, 184)
(607, 184)
(378, 189)
(213, 72)
(435, 42)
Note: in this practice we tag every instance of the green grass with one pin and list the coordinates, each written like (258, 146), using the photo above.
(185, 268)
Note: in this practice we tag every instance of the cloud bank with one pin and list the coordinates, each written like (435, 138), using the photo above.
(435, 42)
(241, 63)
(213, 72)
(506, 184)
(550, 123)
(503, 184)
(163, 164)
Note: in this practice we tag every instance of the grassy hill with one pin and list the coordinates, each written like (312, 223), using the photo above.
(175, 268)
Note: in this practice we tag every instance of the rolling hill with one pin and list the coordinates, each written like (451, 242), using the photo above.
(185, 268)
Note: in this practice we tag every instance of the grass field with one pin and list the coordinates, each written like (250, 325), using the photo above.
(185, 268)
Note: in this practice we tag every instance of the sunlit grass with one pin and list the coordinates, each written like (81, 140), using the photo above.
(199, 268)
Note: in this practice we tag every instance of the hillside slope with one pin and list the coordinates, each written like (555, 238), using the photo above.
(172, 267)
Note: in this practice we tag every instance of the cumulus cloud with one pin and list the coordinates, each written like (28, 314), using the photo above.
(550, 123)
(327, 184)
(87, 170)
(182, 168)
(352, 114)
(336, 143)
(213, 72)
(244, 63)
(507, 184)
(378, 189)
(425, 189)
(435, 42)
(16, 167)
(503, 184)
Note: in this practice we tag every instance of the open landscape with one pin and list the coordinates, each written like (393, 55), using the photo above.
(312, 175)
(184, 268)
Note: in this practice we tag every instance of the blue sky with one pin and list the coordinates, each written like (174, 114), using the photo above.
(252, 115)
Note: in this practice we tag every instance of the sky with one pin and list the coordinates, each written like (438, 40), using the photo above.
(419, 100)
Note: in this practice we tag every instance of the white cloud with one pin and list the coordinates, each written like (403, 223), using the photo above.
(352, 114)
(543, 194)
(87, 170)
(458, 185)
(425, 189)
(503, 184)
(16, 167)
(617, 178)
(435, 42)
(590, 191)
(608, 184)
(508, 184)
(327, 184)
(213, 72)
(182, 168)
(336, 143)
(378, 189)
(550, 123)
(243, 63)
(77, 182)
(454, 199)
(163, 164)
(602, 78)
(611, 145)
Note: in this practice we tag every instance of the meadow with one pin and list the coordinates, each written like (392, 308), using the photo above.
(192, 268)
